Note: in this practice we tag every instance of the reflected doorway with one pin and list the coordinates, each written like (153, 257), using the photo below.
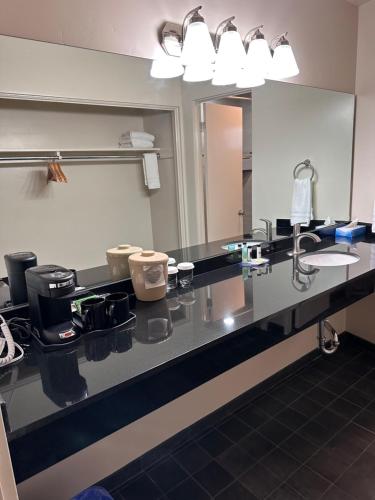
(227, 165)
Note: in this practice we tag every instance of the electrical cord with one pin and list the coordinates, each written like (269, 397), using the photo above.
(7, 341)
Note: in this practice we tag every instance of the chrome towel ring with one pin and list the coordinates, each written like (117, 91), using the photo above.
(304, 164)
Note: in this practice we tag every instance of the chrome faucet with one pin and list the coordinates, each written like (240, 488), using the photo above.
(267, 231)
(298, 236)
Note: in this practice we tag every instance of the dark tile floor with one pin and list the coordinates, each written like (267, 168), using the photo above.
(311, 436)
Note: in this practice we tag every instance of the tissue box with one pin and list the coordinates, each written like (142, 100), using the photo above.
(327, 230)
(350, 232)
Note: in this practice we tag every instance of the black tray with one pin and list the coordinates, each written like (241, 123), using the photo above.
(77, 325)
(129, 324)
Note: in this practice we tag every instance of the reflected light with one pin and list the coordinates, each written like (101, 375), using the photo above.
(228, 321)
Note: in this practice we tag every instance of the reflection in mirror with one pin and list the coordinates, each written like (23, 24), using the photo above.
(221, 159)
(251, 144)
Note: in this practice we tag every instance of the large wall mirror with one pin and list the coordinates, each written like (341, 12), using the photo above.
(225, 158)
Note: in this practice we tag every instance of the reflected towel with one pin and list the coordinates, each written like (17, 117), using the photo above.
(302, 212)
(131, 134)
(151, 170)
(136, 143)
(373, 218)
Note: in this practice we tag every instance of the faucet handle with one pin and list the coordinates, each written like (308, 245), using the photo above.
(267, 221)
(268, 228)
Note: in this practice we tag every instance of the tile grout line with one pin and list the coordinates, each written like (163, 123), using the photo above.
(269, 418)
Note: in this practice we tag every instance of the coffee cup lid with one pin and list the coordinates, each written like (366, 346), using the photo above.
(185, 266)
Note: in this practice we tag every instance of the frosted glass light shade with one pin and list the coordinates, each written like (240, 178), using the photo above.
(198, 47)
(231, 49)
(259, 58)
(225, 75)
(198, 73)
(249, 79)
(166, 67)
(284, 63)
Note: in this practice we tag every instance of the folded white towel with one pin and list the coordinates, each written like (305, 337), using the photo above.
(151, 170)
(302, 212)
(130, 135)
(136, 143)
(373, 218)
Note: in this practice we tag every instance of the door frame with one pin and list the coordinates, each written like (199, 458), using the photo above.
(200, 163)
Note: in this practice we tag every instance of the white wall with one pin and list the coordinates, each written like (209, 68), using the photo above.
(360, 315)
(364, 151)
(34, 68)
(294, 123)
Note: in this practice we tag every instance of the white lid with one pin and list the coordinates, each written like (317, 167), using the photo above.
(172, 270)
(171, 261)
(185, 266)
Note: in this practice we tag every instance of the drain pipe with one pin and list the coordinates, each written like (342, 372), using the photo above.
(327, 346)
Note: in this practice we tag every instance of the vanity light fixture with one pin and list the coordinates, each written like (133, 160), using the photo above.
(231, 54)
(259, 57)
(168, 63)
(189, 51)
(197, 47)
(284, 63)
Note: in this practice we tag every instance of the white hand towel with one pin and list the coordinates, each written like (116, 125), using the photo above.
(136, 143)
(131, 134)
(302, 212)
(151, 170)
(373, 218)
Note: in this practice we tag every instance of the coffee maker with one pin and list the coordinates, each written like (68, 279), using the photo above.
(49, 290)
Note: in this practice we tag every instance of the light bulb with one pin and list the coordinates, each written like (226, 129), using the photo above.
(166, 67)
(197, 47)
(259, 58)
(198, 73)
(284, 64)
(249, 79)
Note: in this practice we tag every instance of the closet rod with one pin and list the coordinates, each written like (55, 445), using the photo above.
(41, 159)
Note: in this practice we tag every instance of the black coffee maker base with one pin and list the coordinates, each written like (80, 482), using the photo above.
(54, 347)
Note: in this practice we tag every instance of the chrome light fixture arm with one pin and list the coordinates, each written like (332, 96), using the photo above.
(225, 25)
(279, 40)
(253, 34)
(191, 16)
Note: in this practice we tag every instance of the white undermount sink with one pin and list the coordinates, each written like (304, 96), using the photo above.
(329, 259)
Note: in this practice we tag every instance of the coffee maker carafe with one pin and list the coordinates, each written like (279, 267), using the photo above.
(49, 288)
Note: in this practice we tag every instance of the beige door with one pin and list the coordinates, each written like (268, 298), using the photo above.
(223, 171)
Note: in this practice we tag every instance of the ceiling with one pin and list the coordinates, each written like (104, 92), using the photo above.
(357, 2)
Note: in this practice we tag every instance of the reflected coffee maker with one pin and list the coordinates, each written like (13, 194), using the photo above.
(56, 368)
(49, 290)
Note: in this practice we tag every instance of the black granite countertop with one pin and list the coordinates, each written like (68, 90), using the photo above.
(265, 305)
(222, 302)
